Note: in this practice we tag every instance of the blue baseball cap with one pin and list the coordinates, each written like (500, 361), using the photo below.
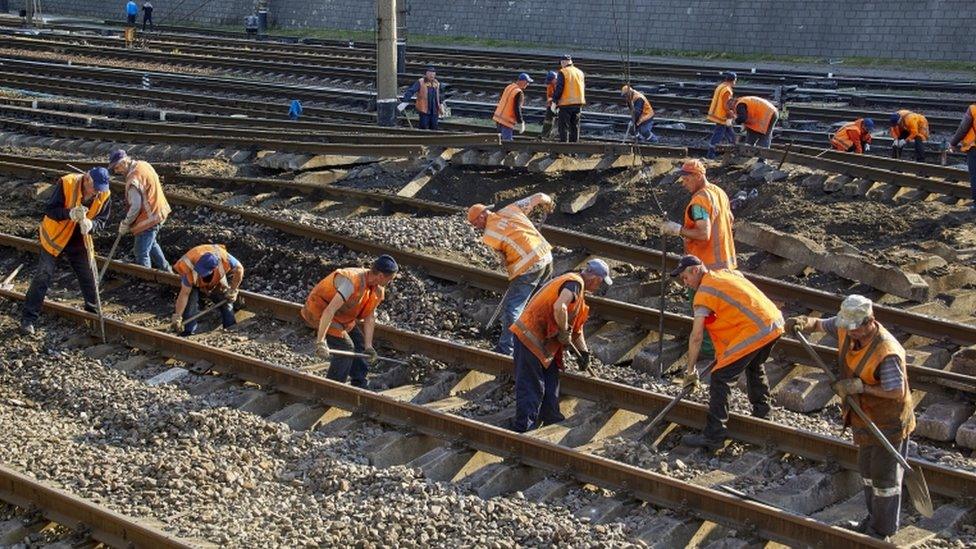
(206, 264)
(118, 155)
(550, 76)
(868, 124)
(386, 265)
(684, 263)
(894, 118)
(99, 177)
(567, 57)
(599, 267)
(730, 75)
(430, 68)
(526, 77)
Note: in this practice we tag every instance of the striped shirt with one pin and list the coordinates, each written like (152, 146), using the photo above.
(889, 371)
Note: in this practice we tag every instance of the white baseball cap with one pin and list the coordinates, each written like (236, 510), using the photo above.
(854, 312)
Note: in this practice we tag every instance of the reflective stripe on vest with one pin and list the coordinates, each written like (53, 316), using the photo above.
(187, 263)
(520, 242)
(718, 252)
(155, 208)
(505, 111)
(647, 112)
(53, 234)
(718, 110)
(759, 113)
(536, 328)
(842, 138)
(574, 87)
(969, 140)
(358, 305)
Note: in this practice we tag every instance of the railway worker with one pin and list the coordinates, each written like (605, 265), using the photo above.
(428, 102)
(569, 96)
(147, 208)
(873, 371)
(550, 115)
(147, 11)
(758, 117)
(909, 126)
(508, 113)
(78, 205)
(720, 112)
(552, 321)
(131, 10)
(207, 271)
(341, 309)
(744, 324)
(642, 114)
(526, 254)
(965, 141)
(854, 136)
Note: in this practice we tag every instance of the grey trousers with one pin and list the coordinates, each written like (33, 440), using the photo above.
(882, 476)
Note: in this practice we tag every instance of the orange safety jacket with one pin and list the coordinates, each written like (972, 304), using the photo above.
(970, 139)
(420, 103)
(550, 91)
(745, 320)
(718, 252)
(512, 233)
(536, 327)
(895, 417)
(850, 135)
(574, 87)
(507, 103)
(185, 266)
(647, 112)
(759, 113)
(155, 208)
(718, 111)
(359, 305)
(54, 235)
(912, 123)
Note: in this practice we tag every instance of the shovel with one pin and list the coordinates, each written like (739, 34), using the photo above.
(918, 490)
(674, 402)
(90, 248)
(664, 286)
(8, 283)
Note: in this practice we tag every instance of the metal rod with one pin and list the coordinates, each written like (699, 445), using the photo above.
(364, 355)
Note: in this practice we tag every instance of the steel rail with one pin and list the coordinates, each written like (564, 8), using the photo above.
(943, 480)
(768, 522)
(836, 114)
(79, 514)
(904, 166)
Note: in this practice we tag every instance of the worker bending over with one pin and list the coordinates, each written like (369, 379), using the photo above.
(720, 112)
(854, 136)
(78, 205)
(147, 208)
(743, 324)
(642, 115)
(965, 141)
(428, 102)
(872, 371)
(341, 309)
(206, 271)
(526, 254)
(909, 126)
(758, 117)
(570, 96)
(508, 113)
(552, 321)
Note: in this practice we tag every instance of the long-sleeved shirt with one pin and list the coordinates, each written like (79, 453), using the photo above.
(431, 96)
(963, 129)
(638, 110)
(55, 210)
(557, 92)
(131, 8)
(134, 198)
(147, 9)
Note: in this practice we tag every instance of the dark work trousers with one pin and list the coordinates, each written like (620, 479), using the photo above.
(882, 476)
(536, 391)
(919, 150)
(547, 125)
(342, 368)
(720, 387)
(78, 259)
(147, 20)
(428, 121)
(131, 20)
(720, 134)
(195, 303)
(569, 123)
(971, 162)
(763, 140)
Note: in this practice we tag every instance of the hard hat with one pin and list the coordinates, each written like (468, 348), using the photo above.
(475, 211)
(855, 310)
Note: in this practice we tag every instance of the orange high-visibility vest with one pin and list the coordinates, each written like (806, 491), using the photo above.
(915, 124)
(505, 111)
(718, 111)
(550, 91)
(54, 235)
(420, 103)
(850, 135)
(359, 305)
(155, 208)
(647, 112)
(970, 138)
(759, 113)
(185, 266)
(894, 416)
(745, 319)
(718, 252)
(512, 233)
(574, 87)
(536, 327)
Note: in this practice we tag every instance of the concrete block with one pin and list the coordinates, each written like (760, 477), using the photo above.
(580, 201)
(883, 192)
(958, 277)
(964, 361)
(966, 434)
(959, 301)
(925, 264)
(940, 421)
(814, 181)
(889, 279)
(614, 342)
(606, 510)
(944, 520)
(394, 448)
(805, 393)
(764, 237)
(504, 478)
(835, 183)
(550, 488)
(259, 402)
(940, 249)
(646, 360)
(12, 532)
(169, 376)
(813, 490)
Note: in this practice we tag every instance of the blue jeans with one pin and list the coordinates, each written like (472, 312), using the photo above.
(146, 249)
(520, 289)
(342, 367)
(428, 121)
(507, 133)
(536, 391)
(78, 259)
(193, 305)
(720, 134)
(645, 134)
(971, 162)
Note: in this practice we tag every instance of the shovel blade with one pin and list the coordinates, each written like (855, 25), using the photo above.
(918, 492)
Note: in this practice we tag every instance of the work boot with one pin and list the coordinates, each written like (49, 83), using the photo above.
(761, 412)
(27, 328)
(700, 441)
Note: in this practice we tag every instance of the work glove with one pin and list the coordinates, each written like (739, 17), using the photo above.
(373, 358)
(77, 213)
(177, 323)
(563, 337)
(231, 296)
(898, 143)
(553, 108)
(796, 323)
(584, 360)
(950, 149)
(849, 386)
(867, 147)
(322, 350)
(671, 228)
(85, 225)
(123, 228)
(690, 379)
(403, 106)
(729, 122)
(521, 129)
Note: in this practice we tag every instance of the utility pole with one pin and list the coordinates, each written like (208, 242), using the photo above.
(386, 73)
(402, 12)
(262, 9)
